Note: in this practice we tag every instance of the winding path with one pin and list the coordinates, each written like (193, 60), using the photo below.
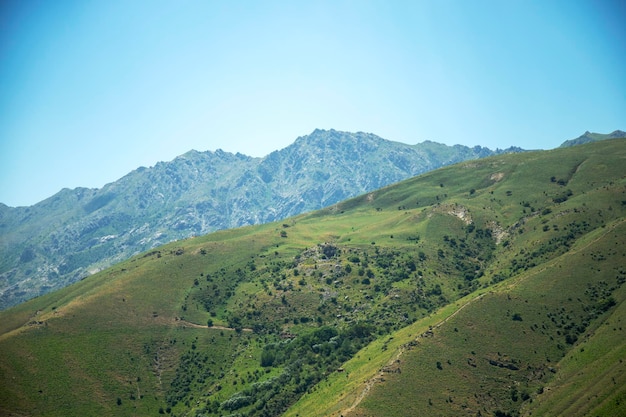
(379, 375)
(200, 326)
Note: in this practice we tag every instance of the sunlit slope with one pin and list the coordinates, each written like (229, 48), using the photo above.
(290, 302)
(550, 341)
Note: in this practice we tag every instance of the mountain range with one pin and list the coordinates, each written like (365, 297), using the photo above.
(491, 287)
(78, 232)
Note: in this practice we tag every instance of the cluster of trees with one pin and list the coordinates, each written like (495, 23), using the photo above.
(218, 287)
(194, 368)
(352, 277)
(304, 361)
(471, 253)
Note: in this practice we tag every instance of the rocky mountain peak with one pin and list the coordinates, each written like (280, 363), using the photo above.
(78, 231)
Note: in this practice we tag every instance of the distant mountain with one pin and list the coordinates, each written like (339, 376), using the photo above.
(593, 137)
(81, 231)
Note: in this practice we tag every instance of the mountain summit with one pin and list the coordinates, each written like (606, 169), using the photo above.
(80, 231)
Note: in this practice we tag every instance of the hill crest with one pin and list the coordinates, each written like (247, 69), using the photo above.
(588, 137)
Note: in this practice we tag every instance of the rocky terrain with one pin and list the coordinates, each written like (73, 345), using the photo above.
(80, 231)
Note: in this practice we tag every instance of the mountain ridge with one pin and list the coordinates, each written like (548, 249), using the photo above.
(588, 137)
(79, 231)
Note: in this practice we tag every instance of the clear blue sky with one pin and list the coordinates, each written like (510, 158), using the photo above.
(90, 90)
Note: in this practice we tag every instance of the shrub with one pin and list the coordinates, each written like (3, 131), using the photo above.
(267, 358)
(237, 401)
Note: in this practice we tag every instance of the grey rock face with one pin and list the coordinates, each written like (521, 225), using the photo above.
(78, 232)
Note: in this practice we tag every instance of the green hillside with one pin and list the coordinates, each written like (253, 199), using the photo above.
(492, 287)
(588, 137)
(78, 232)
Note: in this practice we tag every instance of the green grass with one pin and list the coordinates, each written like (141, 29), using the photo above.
(581, 379)
(489, 253)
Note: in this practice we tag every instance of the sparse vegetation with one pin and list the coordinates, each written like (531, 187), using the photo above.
(460, 310)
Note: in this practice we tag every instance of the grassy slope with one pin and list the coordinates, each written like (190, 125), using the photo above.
(108, 330)
(137, 332)
(467, 383)
(452, 389)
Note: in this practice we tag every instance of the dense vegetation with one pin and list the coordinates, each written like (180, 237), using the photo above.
(480, 289)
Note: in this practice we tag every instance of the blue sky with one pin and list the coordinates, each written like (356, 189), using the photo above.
(90, 90)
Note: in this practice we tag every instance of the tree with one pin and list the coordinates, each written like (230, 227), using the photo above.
(411, 265)
(329, 251)
(267, 358)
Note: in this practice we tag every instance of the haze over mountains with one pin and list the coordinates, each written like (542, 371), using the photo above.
(78, 232)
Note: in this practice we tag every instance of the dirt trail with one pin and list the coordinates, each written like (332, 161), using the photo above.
(181, 322)
(379, 375)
